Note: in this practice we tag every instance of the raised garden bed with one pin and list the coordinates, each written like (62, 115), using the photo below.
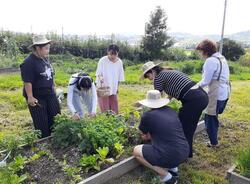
(235, 178)
(45, 163)
(77, 150)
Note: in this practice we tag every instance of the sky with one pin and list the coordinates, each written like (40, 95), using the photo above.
(105, 17)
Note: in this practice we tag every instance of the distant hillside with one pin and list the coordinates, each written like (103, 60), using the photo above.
(189, 41)
(182, 40)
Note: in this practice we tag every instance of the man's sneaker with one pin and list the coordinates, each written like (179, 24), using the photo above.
(173, 180)
(174, 174)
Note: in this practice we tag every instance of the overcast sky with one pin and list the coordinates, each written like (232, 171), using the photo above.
(122, 16)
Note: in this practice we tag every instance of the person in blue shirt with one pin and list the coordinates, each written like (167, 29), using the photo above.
(169, 146)
(215, 75)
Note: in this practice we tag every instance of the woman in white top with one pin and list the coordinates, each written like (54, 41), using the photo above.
(216, 77)
(81, 91)
(109, 73)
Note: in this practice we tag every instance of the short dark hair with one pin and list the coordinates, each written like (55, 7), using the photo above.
(113, 48)
(208, 47)
(85, 82)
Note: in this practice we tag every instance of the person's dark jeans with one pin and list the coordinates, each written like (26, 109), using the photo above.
(193, 104)
(212, 122)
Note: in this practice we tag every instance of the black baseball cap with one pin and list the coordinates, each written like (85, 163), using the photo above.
(113, 48)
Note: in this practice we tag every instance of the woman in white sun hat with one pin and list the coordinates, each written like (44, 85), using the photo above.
(38, 79)
(169, 146)
(177, 85)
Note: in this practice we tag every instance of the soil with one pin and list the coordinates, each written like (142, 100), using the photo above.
(45, 171)
(48, 168)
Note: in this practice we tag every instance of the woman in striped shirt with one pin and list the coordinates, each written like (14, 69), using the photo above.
(177, 85)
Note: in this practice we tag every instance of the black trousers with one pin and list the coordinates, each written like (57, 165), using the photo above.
(193, 103)
(43, 114)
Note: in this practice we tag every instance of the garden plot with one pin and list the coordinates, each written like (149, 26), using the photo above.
(77, 150)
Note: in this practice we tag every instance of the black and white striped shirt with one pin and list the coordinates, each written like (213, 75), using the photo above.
(173, 82)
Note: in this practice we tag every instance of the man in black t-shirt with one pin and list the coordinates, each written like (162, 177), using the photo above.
(169, 146)
(37, 75)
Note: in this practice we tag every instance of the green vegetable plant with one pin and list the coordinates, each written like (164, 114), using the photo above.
(31, 137)
(90, 162)
(119, 149)
(103, 152)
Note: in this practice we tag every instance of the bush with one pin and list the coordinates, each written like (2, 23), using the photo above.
(66, 132)
(175, 54)
(245, 60)
(232, 50)
(194, 55)
(243, 162)
(90, 133)
(188, 68)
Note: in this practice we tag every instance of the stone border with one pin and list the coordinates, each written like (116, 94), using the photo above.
(235, 178)
(122, 167)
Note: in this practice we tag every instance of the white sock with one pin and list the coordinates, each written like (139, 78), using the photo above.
(175, 169)
(167, 177)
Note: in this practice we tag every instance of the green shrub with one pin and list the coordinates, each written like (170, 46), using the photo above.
(175, 54)
(232, 50)
(243, 161)
(66, 131)
(245, 60)
(91, 133)
(104, 131)
(194, 55)
(188, 68)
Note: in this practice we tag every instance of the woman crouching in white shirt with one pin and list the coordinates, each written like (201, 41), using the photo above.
(81, 92)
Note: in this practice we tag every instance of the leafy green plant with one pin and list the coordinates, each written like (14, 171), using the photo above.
(66, 131)
(17, 164)
(103, 152)
(7, 176)
(174, 104)
(90, 162)
(103, 131)
(119, 149)
(11, 142)
(73, 173)
(31, 137)
(132, 135)
(37, 156)
(243, 162)
(8, 173)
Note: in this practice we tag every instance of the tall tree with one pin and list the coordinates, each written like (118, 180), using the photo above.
(156, 40)
(232, 50)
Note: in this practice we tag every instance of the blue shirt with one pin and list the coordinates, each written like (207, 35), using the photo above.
(211, 69)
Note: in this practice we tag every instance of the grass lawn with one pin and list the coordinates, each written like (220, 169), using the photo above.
(208, 166)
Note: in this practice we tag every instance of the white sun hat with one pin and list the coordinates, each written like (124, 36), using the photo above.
(148, 66)
(154, 99)
(39, 40)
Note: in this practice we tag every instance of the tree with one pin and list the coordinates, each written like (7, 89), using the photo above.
(232, 50)
(156, 40)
